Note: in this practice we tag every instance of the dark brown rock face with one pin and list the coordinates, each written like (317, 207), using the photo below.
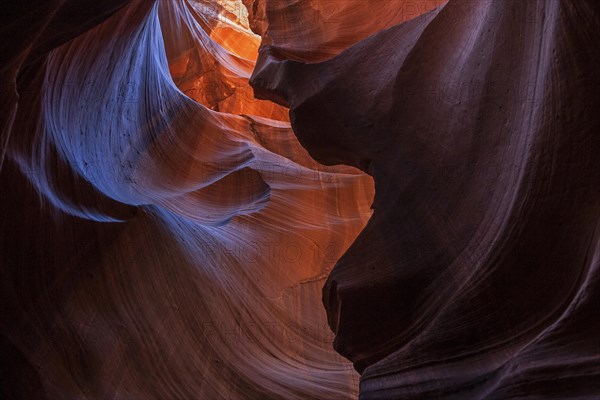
(166, 235)
(477, 275)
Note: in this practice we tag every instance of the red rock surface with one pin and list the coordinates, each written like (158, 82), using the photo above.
(477, 275)
(166, 235)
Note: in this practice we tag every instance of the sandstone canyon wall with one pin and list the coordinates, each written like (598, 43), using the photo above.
(277, 199)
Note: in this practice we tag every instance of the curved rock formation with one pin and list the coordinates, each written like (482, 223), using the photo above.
(477, 275)
(165, 235)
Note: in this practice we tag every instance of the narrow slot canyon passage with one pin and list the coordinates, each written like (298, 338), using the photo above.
(300, 199)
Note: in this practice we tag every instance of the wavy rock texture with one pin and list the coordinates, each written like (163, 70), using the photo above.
(477, 276)
(166, 236)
